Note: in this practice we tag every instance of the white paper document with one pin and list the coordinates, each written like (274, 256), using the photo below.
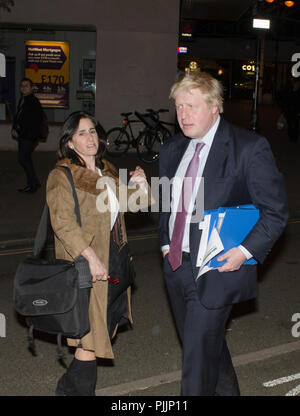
(204, 226)
(212, 248)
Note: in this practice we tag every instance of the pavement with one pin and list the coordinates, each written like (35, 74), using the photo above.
(148, 356)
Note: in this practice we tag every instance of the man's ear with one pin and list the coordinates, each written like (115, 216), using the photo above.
(70, 144)
(215, 109)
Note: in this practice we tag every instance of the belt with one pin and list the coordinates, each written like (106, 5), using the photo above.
(185, 255)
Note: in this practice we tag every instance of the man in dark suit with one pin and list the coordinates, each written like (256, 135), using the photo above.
(27, 127)
(238, 168)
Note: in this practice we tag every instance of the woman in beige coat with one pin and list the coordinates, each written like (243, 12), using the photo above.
(80, 152)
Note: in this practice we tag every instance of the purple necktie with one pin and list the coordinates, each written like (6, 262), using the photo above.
(175, 253)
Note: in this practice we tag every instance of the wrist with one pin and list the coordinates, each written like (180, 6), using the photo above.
(88, 253)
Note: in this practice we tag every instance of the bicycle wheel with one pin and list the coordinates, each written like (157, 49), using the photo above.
(149, 145)
(117, 141)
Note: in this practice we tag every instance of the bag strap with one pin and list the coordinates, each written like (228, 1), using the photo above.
(42, 231)
(76, 209)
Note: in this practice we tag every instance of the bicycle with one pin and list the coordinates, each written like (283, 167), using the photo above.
(155, 134)
(118, 139)
(147, 143)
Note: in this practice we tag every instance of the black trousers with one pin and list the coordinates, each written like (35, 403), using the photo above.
(25, 149)
(207, 368)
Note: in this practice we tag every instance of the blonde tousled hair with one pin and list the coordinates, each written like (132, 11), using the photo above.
(211, 89)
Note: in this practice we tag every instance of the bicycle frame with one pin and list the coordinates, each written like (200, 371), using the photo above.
(148, 140)
(126, 122)
(152, 120)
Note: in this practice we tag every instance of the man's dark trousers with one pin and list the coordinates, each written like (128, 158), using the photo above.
(25, 149)
(293, 126)
(201, 332)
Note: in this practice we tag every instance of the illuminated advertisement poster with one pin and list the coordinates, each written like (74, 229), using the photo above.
(47, 65)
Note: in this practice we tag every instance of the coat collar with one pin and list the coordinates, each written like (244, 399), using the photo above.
(85, 179)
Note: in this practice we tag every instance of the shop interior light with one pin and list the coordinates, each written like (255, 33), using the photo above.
(261, 23)
(288, 3)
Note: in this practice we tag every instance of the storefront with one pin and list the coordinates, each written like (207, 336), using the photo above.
(122, 57)
(61, 65)
(238, 76)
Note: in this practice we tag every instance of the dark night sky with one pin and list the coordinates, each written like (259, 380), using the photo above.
(231, 9)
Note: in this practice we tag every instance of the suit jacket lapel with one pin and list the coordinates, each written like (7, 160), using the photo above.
(216, 161)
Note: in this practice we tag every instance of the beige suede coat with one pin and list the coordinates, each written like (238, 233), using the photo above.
(71, 240)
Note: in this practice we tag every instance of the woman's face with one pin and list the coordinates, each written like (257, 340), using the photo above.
(85, 140)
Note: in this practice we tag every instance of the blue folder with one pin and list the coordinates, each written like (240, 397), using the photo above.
(214, 214)
(237, 224)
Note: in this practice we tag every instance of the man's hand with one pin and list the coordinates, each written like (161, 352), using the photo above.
(234, 259)
(165, 252)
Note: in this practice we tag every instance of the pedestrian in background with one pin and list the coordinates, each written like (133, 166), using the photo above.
(290, 107)
(238, 168)
(26, 129)
(96, 240)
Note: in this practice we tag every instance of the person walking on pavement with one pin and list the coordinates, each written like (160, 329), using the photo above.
(26, 130)
(96, 240)
(238, 168)
(290, 107)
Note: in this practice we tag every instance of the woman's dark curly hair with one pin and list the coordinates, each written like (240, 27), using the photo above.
(68, 130)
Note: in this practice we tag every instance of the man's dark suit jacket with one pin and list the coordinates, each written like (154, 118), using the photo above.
(240, 169)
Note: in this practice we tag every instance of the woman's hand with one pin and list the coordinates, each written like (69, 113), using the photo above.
(97, 268)
(138, 175)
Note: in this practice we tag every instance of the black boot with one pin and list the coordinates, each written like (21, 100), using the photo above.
(79, 380)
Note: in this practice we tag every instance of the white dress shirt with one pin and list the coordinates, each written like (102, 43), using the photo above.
(113, 203)
(177, 185)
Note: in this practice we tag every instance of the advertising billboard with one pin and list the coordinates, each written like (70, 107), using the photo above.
(47, 65)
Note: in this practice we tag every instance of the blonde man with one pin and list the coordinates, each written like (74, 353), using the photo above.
(238, 168)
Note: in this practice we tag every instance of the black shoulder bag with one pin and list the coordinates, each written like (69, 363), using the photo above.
(53, 295)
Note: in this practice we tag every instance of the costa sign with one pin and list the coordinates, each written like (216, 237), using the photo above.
(248, 67)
